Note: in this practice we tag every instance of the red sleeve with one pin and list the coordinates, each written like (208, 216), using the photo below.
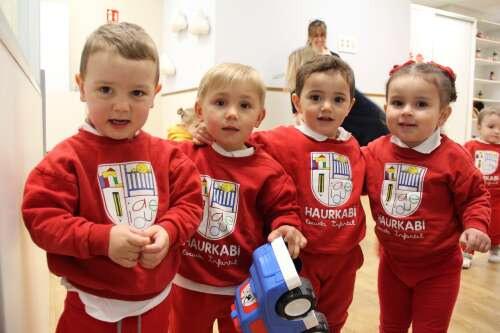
(264, 139)
(469, 146)
(278, 202)
(185, 209)
(472, 199)
(49, 206)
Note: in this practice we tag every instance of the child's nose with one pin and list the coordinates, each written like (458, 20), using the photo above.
(407, 109)
(121, 104)
(327, 105)
(231, 113)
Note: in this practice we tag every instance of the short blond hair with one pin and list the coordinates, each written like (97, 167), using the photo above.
(128, 39)
(227, 74)
(487, 111)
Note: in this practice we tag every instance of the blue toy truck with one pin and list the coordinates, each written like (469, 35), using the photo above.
(274, 299)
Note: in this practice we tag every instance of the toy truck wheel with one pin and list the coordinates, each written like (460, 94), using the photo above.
(297, 302)
(322, 326)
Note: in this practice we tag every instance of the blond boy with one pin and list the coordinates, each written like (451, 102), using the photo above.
(112, 204)
(248, 200)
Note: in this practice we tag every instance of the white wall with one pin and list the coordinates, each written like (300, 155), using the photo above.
(24, 275)
(262, 33)
(54, 42)
(86, 16)
(191, 55)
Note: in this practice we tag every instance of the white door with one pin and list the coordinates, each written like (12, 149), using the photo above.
(448, 39)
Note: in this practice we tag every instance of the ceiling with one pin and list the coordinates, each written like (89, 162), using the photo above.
(484, 9)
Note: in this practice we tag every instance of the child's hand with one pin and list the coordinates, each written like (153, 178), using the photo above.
(291, 236)
(201, 136)
(125, 245)
(153, 254)
(475, 240)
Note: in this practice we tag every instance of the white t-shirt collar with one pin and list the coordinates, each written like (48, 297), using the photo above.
(235, 153)
(426, 147)
(89, 128)
(342, 134)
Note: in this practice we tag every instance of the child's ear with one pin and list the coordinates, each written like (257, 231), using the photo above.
(79, 82)
(445, 113)
(296, 102)
(385, 107)
(261, 117)
(156, 91)
(197, 109)
(353, 100)
(158, 88)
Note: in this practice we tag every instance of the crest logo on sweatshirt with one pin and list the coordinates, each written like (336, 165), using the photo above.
(486, 161)
(331, 178)
(402, 188)
(129, 193)
(220, 207)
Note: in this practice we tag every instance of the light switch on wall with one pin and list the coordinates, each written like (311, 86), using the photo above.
(347, 44)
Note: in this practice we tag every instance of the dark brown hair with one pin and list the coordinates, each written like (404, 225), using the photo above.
(432, 74)
(324, 63)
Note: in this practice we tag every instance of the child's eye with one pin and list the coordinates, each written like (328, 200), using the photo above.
(219, 102)
(105, 90)
(396, 103)
(421, 104)
(245, 105)
(339, 99)
(138, 93)
(315, 98)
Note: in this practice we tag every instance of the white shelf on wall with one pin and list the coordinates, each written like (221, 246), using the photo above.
(486, 81)
(487, 26)
(486, 100)
(481, 61)
(485, 42)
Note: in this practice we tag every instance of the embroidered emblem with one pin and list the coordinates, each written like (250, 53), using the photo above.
(402, 188)
(129, 193)
(331, 178)
(220, 202)
(486, 161)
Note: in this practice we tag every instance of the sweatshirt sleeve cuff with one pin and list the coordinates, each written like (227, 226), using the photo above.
(172, 232)
(99, 239)
(476, 225)
(289, 220)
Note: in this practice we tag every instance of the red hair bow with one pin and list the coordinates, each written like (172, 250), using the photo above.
(398, 67)
(447, 70)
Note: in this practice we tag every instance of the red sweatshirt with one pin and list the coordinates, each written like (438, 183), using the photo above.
(329, 176)
(244, 199)
(421, 203)
(89, 183)
(486, 157)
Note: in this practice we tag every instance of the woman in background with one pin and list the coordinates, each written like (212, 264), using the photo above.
(366, 121)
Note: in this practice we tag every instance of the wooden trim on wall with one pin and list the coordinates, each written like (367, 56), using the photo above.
(178, 92)
(375, 95)
(274, 89)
